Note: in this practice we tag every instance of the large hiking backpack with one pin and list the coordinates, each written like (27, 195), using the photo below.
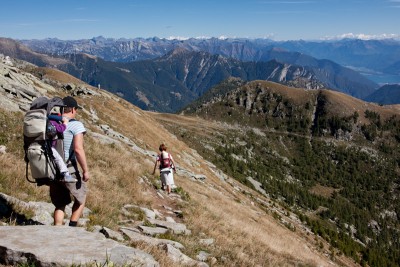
(165, 162)
(39, 134)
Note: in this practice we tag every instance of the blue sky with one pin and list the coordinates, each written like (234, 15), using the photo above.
(275, 19)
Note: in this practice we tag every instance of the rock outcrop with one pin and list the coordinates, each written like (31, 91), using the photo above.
(60, 246)
(65, 246)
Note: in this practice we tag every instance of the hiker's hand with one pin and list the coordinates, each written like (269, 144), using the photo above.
(86, 176)
(65, 120)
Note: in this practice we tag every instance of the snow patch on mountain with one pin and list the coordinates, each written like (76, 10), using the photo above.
(362, 36)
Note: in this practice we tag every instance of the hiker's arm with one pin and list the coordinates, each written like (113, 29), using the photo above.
(81, 156)
(173, 165)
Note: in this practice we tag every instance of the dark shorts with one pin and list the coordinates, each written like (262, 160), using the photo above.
(60, 192)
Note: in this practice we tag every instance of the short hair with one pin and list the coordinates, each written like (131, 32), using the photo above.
(162, 147)
(67, 109)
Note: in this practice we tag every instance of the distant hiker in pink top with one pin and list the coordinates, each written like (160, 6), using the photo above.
(167, 165)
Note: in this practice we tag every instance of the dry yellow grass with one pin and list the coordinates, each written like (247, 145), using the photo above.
(323, 191)
(60, 76)
(338, 103)
(297, 95)
(345, 105)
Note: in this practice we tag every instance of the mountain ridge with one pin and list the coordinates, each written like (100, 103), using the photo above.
(340, 104)
(386, 95)
(169, 82)
(373, 55)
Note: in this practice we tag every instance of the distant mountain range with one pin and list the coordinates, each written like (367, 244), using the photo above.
(377, 59)
(370, 57)
(174, 80)
(166, 75)
(170, 82)
(387, 94)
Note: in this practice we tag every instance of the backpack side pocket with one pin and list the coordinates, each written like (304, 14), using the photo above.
(40, 164)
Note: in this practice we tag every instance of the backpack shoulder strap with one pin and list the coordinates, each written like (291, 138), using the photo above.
(161, 160)
(73, 151)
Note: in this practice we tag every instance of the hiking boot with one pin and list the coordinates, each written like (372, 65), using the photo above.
(68, 178)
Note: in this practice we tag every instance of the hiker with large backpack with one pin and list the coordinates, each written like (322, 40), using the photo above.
(39, 139)
(60, 192)
(44, 145)
(167, 166)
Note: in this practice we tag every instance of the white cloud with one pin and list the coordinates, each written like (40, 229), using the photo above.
(363, 36)
(181, 38)
(223, 37)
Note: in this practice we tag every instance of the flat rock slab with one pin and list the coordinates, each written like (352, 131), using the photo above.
(153, 231)
(65, 246)
(135, 236)
(177, 228)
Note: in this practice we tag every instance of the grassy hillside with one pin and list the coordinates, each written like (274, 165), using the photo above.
(249, 228)
(329, 158)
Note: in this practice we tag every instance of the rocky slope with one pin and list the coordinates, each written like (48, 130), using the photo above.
(230, 223)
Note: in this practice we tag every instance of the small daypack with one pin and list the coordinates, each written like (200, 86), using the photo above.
(39, 134)
(165, 162)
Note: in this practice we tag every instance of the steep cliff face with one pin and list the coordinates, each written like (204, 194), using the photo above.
(200, 71)
(170, 82)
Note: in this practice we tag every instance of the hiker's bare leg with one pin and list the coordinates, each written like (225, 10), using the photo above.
(59, 216)
(77, 210)
(169, 189)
